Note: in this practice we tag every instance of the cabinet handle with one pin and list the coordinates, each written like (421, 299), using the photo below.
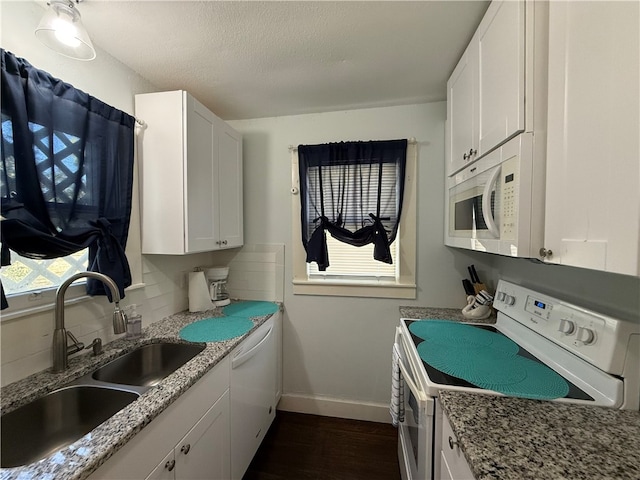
(185, 448)
(452, 443)
(467, 156)
(545, 253)
(224, 242)
(170, 465)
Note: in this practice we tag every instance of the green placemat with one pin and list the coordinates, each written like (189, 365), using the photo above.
(250, 309)
(216, 329)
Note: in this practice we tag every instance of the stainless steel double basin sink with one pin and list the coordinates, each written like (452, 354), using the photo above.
(59, 418)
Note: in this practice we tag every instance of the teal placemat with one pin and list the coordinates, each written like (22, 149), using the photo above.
(495, 369)
(459, 334)
(477, 365)
(250, 309)
(540, 382)
(216, 329)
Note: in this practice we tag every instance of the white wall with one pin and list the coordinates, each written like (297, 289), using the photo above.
(337, 350)
(26, 341)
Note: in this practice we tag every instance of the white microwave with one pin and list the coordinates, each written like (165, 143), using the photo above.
(496, 204)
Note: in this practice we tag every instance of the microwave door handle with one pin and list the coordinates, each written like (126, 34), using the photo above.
(486, 203)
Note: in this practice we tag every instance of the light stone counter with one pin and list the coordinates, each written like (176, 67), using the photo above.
(84, 456)
(517, 439)
(431, 313)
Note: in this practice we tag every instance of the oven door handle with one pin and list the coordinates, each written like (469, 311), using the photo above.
(486, 203)
(412, 386)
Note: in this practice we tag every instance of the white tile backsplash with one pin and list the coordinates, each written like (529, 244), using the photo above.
(257, 273)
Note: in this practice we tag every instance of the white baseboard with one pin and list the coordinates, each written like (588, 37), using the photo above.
(335, 407)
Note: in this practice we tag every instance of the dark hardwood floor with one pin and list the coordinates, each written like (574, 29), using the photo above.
(306, 447)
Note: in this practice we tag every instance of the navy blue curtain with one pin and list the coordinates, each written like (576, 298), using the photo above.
(66, 175)
(354, 191)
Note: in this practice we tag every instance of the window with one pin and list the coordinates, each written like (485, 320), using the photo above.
(352, 270)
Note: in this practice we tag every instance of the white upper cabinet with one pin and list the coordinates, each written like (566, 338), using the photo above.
(592, 216)
(486, 92)
(501, 62)
(191, 170)
(461, 108)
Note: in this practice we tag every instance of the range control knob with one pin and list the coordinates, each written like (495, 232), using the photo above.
(567, 326)
(586, 336)
(509, 300)
(500, 296)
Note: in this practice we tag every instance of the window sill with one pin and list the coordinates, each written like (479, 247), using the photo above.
(346, 288)
(47, 303)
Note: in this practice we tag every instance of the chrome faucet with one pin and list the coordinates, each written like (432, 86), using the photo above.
(60, 350)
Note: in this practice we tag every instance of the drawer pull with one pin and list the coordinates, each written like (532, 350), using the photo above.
(452, 443)
(170, 465)
(185, 448)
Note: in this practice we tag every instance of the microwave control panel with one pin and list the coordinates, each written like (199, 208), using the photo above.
(510, 181)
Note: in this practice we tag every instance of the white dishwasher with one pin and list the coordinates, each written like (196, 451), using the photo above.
(253, 393)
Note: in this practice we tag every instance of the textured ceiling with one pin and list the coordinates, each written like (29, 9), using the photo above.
(246, 59)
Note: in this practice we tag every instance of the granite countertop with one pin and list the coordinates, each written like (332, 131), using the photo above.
(84, 456)
(454, 314)
(510, 438)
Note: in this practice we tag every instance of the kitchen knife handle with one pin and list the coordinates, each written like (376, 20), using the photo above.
(475, 278)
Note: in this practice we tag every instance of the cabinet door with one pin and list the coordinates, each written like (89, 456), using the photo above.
(204, 451)
(453, 465)
(501, 70)
(593, 174)
(165, 469)
(461, 111)
(201, 177)
(230, 187)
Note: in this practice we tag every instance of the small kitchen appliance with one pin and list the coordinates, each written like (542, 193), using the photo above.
(491, 204)
(217, 281)
(540, 347)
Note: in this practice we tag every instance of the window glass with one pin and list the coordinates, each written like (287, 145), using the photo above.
(26, 275)
(355, 263)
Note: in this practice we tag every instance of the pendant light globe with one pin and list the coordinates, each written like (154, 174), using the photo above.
(61, 30)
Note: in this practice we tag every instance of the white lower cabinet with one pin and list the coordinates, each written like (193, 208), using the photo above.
(215, 428)
(203, 452)
(453, 465)
(199, 419)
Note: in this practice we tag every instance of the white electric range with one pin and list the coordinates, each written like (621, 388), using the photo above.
(540, 348)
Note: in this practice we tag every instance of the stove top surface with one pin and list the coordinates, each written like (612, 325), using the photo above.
(439, 377)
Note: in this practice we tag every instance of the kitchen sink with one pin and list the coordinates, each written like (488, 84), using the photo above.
(56, 420)
(146, 366)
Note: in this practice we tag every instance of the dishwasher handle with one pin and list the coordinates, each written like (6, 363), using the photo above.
(243, 357)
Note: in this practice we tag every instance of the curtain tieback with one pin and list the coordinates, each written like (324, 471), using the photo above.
(106, 236)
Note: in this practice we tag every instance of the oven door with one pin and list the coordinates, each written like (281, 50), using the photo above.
(416, 428)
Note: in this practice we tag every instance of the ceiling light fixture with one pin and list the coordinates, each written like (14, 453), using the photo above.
(61, 30)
